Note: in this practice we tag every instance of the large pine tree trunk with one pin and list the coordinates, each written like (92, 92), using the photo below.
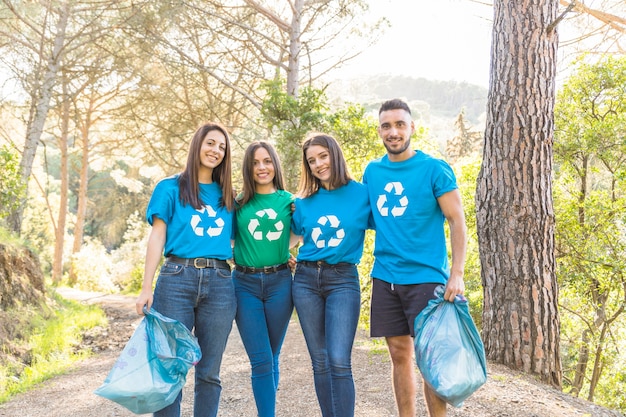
(514, 211)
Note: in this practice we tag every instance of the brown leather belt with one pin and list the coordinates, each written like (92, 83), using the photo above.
(323, 264)
(264, 269)
(199, 263)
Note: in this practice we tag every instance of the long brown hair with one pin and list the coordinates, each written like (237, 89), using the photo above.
(340, 174)
(188, 180)
(247, 169)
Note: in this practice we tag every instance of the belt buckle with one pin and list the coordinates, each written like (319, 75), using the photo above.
(195, 263)
(268, 269)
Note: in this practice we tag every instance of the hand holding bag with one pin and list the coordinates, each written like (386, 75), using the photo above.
(152, 368)
(448, 349)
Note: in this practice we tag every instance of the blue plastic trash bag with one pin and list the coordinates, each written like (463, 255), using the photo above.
(448, 349)
(153, 366)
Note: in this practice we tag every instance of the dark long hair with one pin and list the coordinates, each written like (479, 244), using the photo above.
(188, 180)
(248, 171)
(340, 175)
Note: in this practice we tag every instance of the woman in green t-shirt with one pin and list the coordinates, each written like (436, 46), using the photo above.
(262, 275)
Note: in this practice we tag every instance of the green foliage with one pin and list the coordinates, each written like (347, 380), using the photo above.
(289, 119)
(51, 343)
(356, 133)
(12, 189)
(8, 237)
(467, 170)
(590, 209)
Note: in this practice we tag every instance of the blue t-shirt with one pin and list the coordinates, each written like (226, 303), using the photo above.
(192, 233)
(332, 224)
(410, 245)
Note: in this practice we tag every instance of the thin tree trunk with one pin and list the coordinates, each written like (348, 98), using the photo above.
(81, 210)
(38, 116)
(295, 46)
(59, 233)
(514, 211)
(581, 366)
(598, 364)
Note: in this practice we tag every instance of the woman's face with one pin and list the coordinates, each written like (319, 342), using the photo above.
(318, 158)
(263, 167)
(213, 149)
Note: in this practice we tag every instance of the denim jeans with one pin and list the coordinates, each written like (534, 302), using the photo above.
(327, 300)
(264, 309)
(203, 300)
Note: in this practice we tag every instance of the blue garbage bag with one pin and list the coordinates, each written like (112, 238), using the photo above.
(448, 349)
(153, 367)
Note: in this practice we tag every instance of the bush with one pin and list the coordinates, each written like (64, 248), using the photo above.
(12, 189)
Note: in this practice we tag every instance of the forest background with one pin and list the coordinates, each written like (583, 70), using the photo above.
(100, 99)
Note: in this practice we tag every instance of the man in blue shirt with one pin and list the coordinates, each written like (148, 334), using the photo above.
(412, 195)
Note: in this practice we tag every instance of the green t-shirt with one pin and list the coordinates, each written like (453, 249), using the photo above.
(262, 230)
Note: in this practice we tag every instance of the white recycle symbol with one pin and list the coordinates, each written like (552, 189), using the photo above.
(254, 223)
(396, 211)
(317, 232)
(210, 231)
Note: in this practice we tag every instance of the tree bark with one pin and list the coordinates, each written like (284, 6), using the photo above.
(514, 210)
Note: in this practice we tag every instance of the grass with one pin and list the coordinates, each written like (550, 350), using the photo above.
(50, 345)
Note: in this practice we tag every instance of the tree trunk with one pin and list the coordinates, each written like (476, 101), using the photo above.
(598, 365)
(295, 46)
(514, 211)
(581, 365)
(59, 233)
(39, 113)
(81, 210)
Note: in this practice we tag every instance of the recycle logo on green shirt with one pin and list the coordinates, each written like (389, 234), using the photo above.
(276, 228)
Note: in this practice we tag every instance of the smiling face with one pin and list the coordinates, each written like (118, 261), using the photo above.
(318, 158)
(263, 171)
(212, 151)
(395, 129)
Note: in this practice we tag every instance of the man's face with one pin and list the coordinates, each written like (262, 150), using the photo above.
(395, 129)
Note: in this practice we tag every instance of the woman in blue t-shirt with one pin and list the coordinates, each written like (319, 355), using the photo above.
(191, 214)
(332, 213)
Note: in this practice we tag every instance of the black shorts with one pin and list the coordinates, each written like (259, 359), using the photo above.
(395, 307)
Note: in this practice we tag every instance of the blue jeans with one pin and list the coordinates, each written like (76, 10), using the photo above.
(328, 300)
(203, 300)
(264, 309)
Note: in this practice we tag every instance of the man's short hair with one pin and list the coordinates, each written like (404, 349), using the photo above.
(394, 104)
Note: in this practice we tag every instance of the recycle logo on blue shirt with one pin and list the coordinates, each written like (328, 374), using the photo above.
(217, 222)
(338, 234)
(396, 190)
(257, 228)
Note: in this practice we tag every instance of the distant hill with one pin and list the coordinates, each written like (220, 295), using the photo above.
(444, 98)
(434, 104)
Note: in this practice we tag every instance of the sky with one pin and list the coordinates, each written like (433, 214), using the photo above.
(447, 40)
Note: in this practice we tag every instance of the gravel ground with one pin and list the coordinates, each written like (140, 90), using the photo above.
(506, 393)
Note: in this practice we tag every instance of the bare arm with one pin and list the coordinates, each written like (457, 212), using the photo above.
(156, 242)
(294, 239)
(452, 209)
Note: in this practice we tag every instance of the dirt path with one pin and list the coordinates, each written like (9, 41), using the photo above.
(505, 394)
